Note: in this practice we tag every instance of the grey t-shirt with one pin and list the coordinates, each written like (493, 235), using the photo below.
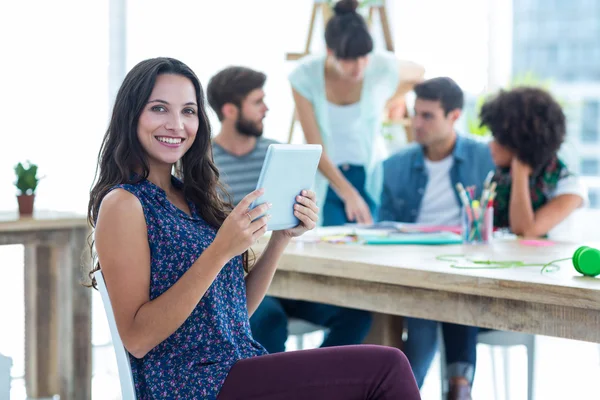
(240, 175)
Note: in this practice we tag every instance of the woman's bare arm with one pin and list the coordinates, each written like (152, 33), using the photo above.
(356, 208)
(124, 255)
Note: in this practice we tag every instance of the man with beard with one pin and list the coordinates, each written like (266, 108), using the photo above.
(236, 95)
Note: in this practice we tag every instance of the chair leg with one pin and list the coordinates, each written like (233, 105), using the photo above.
(299, 342)
(506, 363)
(443, 370)
(5, 378)
(443, 374)
(531, 368)
(494, 373)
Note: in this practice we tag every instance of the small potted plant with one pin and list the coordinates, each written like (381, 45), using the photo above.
(26, 183)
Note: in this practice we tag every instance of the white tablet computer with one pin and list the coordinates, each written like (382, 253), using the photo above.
(287, 170)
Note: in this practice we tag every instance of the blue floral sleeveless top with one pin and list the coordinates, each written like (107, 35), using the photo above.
(194, 361)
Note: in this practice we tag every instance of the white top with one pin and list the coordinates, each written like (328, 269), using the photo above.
(380, 83)
(571, 184)
(439, 205)
(570, 228)
(346, 135)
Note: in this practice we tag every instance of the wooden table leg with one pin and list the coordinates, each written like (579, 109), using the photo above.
(76, 322)
(58, 345)
(41, 321)
(81, 321)
(386, 330)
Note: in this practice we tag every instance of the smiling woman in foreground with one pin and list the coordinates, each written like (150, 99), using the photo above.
(173, 257)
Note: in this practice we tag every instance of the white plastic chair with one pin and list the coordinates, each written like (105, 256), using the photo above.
(299, 327)
(123, 365)
(5, 378)
(505, 340)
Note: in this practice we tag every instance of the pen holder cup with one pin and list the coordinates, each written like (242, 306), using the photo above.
(477, 225)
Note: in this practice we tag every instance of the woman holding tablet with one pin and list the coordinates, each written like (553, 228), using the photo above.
(173, 258)
(340, 99)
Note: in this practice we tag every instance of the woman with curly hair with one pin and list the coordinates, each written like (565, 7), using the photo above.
(535, 189)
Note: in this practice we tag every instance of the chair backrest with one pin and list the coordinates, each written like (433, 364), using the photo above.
(5, 378)
(298, 326)
(123, 364)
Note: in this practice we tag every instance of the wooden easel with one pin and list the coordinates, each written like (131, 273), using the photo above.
(327, 12)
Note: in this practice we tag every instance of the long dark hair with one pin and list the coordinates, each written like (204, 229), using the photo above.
(122, 159)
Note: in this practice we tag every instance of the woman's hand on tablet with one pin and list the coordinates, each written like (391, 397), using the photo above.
(241, 229)
(306, 211)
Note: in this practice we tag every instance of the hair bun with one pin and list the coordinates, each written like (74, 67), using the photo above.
(343, 7)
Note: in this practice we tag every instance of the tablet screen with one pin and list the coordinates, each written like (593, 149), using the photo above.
(287, 170)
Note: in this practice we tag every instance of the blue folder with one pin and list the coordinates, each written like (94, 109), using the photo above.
(437, 238)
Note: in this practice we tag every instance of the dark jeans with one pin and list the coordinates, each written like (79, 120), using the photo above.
(269, 323)
(348, 373)
(334, 212)
(460, 345)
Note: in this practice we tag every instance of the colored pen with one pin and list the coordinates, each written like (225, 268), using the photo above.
(488, 179)
(490, 200)
(464, 197)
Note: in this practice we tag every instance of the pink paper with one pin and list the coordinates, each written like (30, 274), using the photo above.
(536, 243)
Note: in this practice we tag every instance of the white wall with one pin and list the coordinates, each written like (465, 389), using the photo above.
(52, 96)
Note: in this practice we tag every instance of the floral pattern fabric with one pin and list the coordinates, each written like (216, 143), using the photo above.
(194, 361)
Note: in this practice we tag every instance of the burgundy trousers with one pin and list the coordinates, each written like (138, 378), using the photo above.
(361, 372)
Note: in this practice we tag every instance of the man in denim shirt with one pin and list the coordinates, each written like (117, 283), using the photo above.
(419, 187)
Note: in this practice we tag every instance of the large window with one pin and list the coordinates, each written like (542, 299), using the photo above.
(589, 134)
(568, 33)
(53, 103)
(590, 166)
(595, 198)
(53, 80)
(589, 122)
(591, 111)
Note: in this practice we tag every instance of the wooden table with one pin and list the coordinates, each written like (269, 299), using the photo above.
(410, 281)
(58, 356)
